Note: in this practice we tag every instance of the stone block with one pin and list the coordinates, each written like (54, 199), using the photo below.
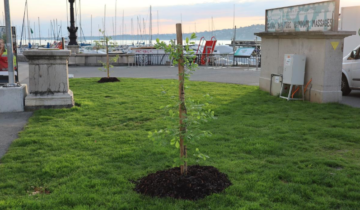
(48, 79)
(49, 101)
(80, 60)
(75, 49)
(12, 99)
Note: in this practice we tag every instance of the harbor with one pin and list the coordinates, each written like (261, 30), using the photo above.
(135, 46)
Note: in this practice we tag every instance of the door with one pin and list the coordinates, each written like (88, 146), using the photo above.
(355, 71)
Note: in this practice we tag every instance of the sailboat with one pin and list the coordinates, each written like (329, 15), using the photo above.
(82, 37)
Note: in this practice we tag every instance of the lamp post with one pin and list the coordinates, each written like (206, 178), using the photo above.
(72, 29)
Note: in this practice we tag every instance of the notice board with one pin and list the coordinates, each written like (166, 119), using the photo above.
(319, 16)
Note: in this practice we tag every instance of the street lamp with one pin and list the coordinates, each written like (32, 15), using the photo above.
(72, 29)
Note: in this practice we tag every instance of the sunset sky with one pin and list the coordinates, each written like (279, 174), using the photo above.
(193, 12)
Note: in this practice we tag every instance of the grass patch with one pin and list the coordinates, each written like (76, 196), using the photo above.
(277, 154)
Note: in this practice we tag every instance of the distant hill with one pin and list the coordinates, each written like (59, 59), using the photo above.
(242, 33)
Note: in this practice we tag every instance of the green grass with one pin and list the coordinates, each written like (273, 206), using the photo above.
(277, 154)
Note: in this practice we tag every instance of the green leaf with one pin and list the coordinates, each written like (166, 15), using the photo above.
(177, 145)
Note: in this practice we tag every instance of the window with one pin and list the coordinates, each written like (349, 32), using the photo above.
(355, 55)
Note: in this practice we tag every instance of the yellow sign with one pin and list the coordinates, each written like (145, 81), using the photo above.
(335, 45)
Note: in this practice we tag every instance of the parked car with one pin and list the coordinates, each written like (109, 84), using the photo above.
(351, 52)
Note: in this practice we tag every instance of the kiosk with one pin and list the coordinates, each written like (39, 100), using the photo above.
(310, 30)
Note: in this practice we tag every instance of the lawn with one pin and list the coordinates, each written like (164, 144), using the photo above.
(277, 154)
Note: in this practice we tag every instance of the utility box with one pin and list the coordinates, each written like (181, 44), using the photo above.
(294, 69)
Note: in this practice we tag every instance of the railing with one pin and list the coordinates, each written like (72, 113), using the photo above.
(201, 60)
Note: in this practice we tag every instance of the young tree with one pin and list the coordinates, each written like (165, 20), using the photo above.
(181, 135)
(98, 45)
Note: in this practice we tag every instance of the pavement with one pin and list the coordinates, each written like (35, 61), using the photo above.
(236, 75)
(12, 123)
(353, 99)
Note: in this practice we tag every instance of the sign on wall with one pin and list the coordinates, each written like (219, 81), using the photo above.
(320, 16)
(244, 52)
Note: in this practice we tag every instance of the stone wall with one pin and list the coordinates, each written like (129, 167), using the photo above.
(93, 59)
(323, 64)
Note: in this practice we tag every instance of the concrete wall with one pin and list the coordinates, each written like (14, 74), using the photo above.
(93, 59)
(323, 63)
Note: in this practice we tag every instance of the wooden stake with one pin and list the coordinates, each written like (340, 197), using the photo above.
(182, 107)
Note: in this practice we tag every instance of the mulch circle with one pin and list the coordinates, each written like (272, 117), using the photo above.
(108, 79)
(200, 182)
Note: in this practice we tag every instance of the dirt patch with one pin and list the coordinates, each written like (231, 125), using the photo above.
(39, 190)
(200, 182)
(108, 79)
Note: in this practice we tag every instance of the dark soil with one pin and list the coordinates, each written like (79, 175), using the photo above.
(108, 79)
(200, 182)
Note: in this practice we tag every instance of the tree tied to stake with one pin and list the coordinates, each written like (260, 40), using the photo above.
(104, 44)
(191, 113)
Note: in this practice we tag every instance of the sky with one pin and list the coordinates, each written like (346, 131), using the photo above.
(195, 15)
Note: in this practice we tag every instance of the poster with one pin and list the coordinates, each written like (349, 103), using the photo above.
(4, 64)
(288, 60)
(309, 17)
(244, 52)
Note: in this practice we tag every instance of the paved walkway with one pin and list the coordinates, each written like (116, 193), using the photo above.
(10, 125)
(246, 76)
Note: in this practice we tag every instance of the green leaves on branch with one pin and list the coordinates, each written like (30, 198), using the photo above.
(197, 113)
(105, 44)
(181, 55)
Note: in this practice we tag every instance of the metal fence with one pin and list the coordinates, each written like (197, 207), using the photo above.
(201, 60)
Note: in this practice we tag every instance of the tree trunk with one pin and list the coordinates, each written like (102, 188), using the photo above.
(182, 107)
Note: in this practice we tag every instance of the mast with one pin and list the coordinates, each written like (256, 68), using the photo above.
(137, 28)
(28, 22)
(22, 28)
(34, 34)
(157, 21)
(115, 18)
(234, 17)
(113, 26)
(81, 37)
(55, 30)
(91, 30)
(212, 26)
(104, 22)
(150, 27)
(39, 30)
(122, 27)
(144, 29)
(132, 28)
(67, 13)
(61, 29)
(234, 39)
